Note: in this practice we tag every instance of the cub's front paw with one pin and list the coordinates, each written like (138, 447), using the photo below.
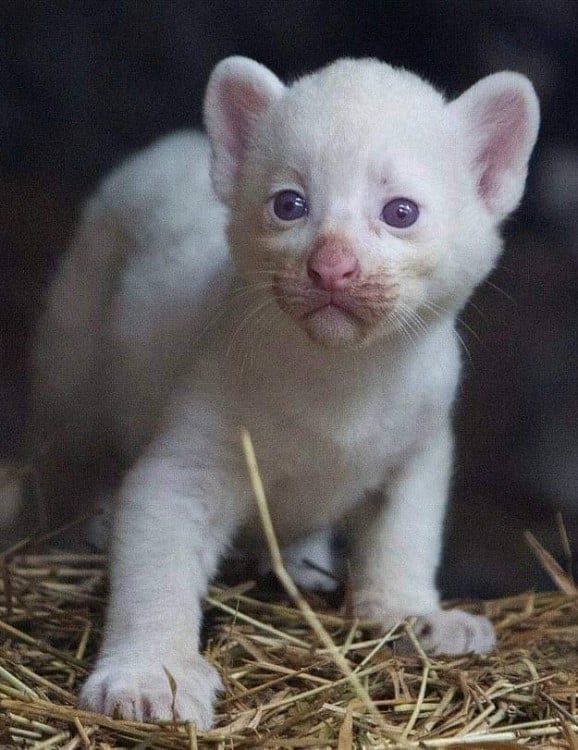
(455, 632)
(441, 632)
(142, 691)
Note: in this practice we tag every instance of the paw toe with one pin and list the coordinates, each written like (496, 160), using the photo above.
(145, 694)
(455, 632)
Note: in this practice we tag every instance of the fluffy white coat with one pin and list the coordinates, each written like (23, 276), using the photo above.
(177, 319)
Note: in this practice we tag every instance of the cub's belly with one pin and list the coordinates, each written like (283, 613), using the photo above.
(316, 496)
(299, 508)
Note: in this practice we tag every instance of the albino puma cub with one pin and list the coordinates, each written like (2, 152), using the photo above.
(315, 306)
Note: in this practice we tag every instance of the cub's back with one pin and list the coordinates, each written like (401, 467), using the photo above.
(145, 274)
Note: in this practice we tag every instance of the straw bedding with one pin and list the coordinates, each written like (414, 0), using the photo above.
(297, 673)
(285, 689)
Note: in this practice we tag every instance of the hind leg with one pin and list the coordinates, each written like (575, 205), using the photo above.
(312, 562)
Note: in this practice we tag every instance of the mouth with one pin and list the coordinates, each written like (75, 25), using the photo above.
(334, 302)
(337, 317)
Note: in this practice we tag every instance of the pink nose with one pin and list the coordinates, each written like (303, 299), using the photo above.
(331, 266)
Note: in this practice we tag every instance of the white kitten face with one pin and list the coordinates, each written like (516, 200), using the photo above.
(356, 207)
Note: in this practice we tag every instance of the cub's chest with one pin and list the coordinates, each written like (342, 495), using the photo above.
(313, 477)
(337, 447)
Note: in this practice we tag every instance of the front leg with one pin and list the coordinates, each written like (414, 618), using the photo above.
(396, 551)
(173, 523)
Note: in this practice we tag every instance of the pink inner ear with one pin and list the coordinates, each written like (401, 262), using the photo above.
(505, 122)
(241, 102)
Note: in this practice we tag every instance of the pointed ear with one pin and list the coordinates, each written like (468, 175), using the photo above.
(239, 91)
(501, 115)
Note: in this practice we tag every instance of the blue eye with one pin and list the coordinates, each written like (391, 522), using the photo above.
(289, 205)
(400, 213)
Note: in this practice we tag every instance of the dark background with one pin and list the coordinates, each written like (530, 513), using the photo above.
(84, 83)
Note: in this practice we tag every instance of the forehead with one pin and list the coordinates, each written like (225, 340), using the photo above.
(355, 114)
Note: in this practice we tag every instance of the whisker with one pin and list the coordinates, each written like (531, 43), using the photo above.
(501, 291)
(403, 326)
(251, 343)
(261, 330)
(244, 322)
(264, 271)
(418, 321)
(250, 287)
(475, 307)
(438, 309)
(468, 328)
(234, 296)
(464, 347)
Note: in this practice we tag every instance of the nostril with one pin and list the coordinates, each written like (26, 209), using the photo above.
(313, 274)
(353, 272)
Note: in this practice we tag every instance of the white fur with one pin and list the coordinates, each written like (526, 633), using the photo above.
(311, 562)
(160, 346)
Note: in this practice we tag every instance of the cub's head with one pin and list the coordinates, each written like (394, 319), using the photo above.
(361, 201)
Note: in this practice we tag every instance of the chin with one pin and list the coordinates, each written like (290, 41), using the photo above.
(334, 329)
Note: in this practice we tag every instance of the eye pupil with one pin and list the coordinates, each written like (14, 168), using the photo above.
(288, 205)
(400, 213)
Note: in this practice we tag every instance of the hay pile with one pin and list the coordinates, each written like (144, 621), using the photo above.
(283, 688)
